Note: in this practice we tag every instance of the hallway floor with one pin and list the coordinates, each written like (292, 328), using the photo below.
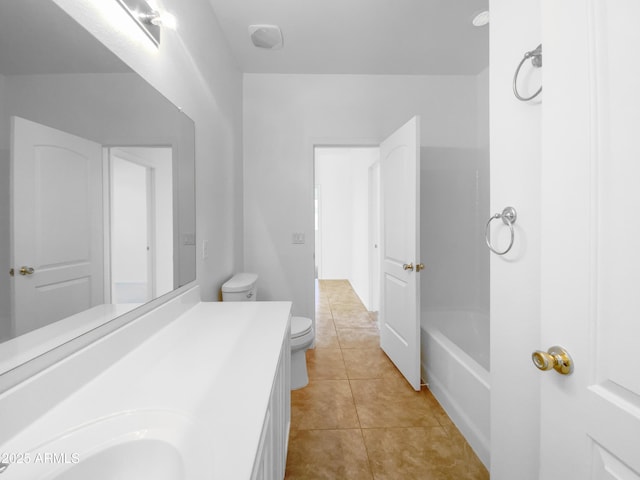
(358, 418)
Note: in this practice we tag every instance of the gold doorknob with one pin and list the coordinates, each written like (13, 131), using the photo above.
(419, 266)
(408, 266)
(26, 270)
(556, 357)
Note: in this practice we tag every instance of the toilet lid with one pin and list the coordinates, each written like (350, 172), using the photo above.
(300, 326)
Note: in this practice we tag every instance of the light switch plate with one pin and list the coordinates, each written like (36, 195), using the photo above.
(297, 238)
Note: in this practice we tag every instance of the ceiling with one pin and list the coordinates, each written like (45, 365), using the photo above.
(414, 37)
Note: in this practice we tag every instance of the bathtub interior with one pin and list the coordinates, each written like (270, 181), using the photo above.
(469, 330)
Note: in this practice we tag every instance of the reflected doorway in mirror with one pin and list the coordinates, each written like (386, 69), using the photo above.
(141, 223)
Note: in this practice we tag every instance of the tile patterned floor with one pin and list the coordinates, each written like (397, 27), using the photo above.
(358, 419)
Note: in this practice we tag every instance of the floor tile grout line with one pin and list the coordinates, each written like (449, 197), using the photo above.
(366, 451)
(353, 398)
(355, 406)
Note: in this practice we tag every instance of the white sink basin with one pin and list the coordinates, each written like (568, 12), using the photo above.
(144, 458)
(129, 445)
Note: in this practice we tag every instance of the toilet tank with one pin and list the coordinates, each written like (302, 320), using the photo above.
(240, 288)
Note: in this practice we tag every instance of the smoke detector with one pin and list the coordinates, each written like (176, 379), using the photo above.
(266, 36)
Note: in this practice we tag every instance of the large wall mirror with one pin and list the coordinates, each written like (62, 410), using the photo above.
(97, 202)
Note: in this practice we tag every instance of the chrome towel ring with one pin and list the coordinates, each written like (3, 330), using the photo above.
(536, 61)
(508, 216)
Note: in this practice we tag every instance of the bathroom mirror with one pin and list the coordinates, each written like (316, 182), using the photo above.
(97, 175)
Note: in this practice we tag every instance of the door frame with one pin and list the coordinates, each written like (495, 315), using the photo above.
(317, 196)
(346, 144)
(149, 175)
(514, 172)
(327, 142)
(152, 214)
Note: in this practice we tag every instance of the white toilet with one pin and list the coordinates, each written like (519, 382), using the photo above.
(242, 288)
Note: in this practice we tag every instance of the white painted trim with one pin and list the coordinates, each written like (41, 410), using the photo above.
(374, 236)
(106, 221)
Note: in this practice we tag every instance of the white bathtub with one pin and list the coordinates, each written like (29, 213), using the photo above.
(455, 365)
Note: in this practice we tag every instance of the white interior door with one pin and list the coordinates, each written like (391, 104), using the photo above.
(400, 216)
(56, 224)
(591, 237)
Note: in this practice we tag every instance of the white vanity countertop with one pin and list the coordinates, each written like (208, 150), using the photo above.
(213, 366)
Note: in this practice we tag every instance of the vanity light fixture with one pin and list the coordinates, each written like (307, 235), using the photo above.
(159, 20)
(148, 18)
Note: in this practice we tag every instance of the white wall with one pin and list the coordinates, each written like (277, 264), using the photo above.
(454, 209)
(285, 115)
(194, 69)
(85, 104)
(515, 278)
(483, 105)
(360, 271)
(342, 175)
(333, 178)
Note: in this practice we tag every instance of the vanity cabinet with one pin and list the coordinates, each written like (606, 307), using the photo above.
(271, 458)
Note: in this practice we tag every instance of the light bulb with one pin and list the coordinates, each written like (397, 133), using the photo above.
(167, 20)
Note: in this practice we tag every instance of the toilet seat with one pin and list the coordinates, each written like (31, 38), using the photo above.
(300, 326)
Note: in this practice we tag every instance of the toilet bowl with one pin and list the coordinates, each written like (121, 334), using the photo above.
(242, 288)
(301, 339)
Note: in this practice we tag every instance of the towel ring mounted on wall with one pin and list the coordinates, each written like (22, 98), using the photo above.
(536, 61)
(508, 216)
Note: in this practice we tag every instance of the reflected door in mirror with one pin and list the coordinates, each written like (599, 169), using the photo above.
(57, 224)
